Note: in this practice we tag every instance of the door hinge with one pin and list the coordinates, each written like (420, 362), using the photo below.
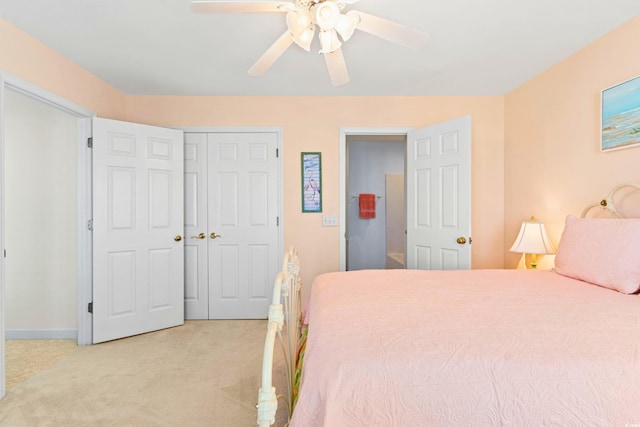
(278, 221)
(90, 225)
(5, 253)
(469, 240)
(90, 142)
(277, 152)
(90, 307)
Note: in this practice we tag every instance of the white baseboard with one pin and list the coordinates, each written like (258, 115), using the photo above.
(41, 334)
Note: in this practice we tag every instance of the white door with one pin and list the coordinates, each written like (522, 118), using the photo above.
(243, 223)
(138, 257)
(439, 213)
(196, 277)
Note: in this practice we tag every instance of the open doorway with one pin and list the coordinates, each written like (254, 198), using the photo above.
(375, 176)
(81, 206)
(41, 260)
(438, 193)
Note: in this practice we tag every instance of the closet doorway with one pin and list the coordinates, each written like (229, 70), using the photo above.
(376, 215)
(233, 205)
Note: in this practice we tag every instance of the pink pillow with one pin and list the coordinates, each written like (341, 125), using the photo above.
(605, 252)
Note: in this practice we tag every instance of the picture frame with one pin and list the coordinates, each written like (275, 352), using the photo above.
(311, 165)
(620, 116)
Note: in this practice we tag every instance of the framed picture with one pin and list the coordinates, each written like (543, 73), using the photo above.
(620, 116)
(311, 182)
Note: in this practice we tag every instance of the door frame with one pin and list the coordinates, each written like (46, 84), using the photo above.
(84, 272)
(255, 129)
(344, 133)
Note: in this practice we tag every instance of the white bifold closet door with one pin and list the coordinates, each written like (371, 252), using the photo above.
(231, 224)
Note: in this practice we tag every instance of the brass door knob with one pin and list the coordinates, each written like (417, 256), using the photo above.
(214, 235)
(177, 238)
(461, 240)
(199, 236)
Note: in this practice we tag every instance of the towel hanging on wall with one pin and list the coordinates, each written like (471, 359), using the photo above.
(367, 204)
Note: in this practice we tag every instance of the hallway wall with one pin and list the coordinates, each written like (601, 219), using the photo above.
(41, 220)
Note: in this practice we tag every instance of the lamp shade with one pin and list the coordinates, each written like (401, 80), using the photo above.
(301, 28)
(533, 239)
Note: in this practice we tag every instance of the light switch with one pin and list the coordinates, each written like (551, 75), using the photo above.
(329, 221)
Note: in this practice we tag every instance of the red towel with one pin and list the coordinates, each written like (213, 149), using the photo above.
(367, 206)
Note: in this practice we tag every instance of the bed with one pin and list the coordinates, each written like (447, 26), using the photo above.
(480, 347)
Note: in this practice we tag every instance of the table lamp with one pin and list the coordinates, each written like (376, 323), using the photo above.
(533, 239)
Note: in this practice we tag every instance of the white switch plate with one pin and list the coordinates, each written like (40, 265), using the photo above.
(329, 221)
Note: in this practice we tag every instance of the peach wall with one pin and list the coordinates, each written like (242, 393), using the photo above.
(27, 58)
(313, 124)
(553, 163)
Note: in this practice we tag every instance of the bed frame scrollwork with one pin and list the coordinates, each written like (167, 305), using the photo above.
(284, 323)
(609, 202)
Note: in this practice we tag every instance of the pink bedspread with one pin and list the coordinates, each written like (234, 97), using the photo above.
(468, 348)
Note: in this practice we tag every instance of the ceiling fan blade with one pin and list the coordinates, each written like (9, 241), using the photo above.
(271, 55)
(337, 67)
(389, 30)
(240, 6)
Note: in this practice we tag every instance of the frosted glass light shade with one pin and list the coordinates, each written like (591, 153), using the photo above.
(326, 14)
(301, 28)
(533, 239)
(346, 25)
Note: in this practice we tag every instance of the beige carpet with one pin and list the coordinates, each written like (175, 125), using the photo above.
(206, 373)
(25, 358)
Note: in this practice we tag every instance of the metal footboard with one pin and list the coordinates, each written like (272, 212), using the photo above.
(284, 315)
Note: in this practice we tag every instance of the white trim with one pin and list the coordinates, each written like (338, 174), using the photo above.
(85, 236)
(35, 92)
(42, 334)
(30, 90)
(344, 132)
(2, 259)
(229, 129)
(255, 129)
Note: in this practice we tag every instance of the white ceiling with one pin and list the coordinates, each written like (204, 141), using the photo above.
(159, 47)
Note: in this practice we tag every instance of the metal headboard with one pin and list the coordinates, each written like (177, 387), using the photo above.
(608, 202)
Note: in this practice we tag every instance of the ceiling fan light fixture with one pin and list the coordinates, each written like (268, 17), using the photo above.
(301, 28)
(346, 25)
(326, 14)
(305, 38)
(298, 20)
(329, 41)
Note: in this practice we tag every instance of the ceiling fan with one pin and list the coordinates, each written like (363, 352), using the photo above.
(334, 27)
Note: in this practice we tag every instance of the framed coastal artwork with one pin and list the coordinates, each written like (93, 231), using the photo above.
(311, 182)
(620, 116)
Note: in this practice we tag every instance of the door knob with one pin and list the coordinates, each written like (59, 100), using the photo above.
(199, 236)
(214, 235)
(461, 240)
(177, 238)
